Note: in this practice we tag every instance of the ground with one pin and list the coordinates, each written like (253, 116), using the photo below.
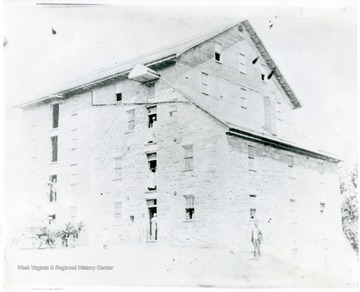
(155, 265)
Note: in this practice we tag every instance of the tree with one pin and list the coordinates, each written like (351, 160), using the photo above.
(349, 209)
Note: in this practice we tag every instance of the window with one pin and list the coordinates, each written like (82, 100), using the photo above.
(73, 174)
(117, 210)
(152, 164)
(75, 106)
(131, 119)
(322, 207)
(151, 157)
(252, 199)
(321, 167)
(73, 211)
(118, 167)
(54, 149)
(188, 157)
(55, 115)
(263, 73)
(251, 157)
(52, 188)
(290, 161)
(74, 140)
(243, 97)
(218, 51)
(278, 110)
(242, 63)
(204, 82)
(119, 97)
(189, 207)
(152, 116)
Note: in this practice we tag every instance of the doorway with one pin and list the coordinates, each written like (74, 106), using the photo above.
(152, 223)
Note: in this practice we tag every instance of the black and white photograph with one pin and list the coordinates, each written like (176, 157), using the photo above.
(199, 145)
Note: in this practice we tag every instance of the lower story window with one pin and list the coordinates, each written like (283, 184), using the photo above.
(189, 207)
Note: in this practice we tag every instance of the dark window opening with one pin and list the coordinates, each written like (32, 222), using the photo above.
(189, 207)
(322, 207)
(152, 232)
(217, 56)
(189, 213)
(252, 213)
(152, 116)
(55, 119)
(152, 163)
(119, 96)
(54, 149)
(52, 218)
(263, 77)
(132, 218)
(52, 188)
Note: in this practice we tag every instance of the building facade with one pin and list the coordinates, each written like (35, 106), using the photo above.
(199, 134)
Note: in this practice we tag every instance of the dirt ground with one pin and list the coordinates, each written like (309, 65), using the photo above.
(155, 265)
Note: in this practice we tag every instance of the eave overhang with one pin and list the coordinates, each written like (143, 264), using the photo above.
(281, 145)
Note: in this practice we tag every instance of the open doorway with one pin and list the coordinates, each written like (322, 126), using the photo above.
(152, 224)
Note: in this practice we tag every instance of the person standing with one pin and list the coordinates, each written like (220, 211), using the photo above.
(154, 227)
(256, 239)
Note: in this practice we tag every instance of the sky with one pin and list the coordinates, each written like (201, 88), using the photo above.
(315, 49)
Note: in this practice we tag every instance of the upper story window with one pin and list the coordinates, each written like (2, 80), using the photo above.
(263, 73)
(75, 106)
(152, 164)
(321, 167)
(152, 121)
(119, 97)
(54, 148)
(243, 102)
(188, 157)
(131, 119)
(117, 210)
(189, 207)
(322, 207)
(55, 115)
(251, 157)
(290, 161)
(218, 51)
(52, 188)
(73, 213)
(118, 167)
(252, 199)
(152, 116)
(204, 82)
(242, 63)
(279, 110)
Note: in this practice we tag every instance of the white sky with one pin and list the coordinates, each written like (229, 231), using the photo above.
(315, 49)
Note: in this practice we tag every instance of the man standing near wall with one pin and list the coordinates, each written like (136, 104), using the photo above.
(256, 239)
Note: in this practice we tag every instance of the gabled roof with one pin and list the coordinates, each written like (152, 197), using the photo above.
(167, 54)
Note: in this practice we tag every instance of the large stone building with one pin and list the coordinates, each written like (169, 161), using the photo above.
(199, 133)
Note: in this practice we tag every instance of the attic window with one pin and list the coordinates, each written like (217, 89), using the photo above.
(263, 73)
(241, 28)
(242, 63)
(119, 97)
(218, 51)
